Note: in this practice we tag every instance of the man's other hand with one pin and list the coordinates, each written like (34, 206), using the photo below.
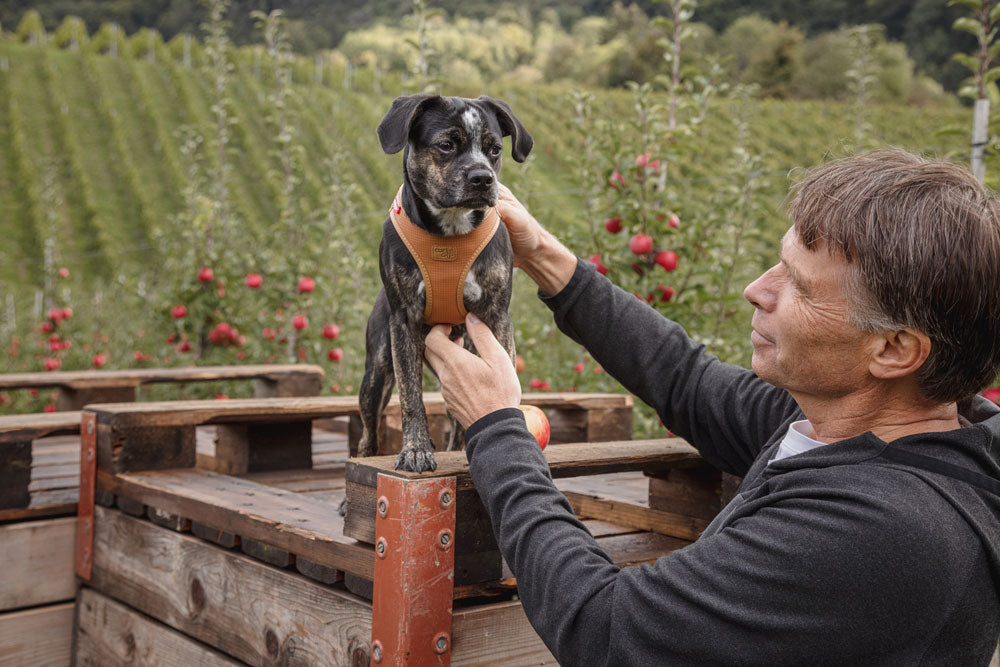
(472, 386)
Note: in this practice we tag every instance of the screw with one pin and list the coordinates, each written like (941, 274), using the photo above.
(444, 539)
(377, 651)
(90, 455)
(90, 427)
(441, 643)
(380, 547)
(446, 499)
(383, 506)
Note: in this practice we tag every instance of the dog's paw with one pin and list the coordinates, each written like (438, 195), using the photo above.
(416, 460)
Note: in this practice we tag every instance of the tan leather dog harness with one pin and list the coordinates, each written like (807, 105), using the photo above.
(444, 261)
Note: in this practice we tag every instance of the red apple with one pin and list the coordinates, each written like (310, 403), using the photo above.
(331, 331)
(579, 367)
(52, 364)
(50, 407)
(336, 354)
(613, 225)
(667, 295)
(307, 285)
(64, 273)
(253, 281)
(177, 312)
(667, 259)
(596, 261)
(300, 322)
(640, 244)
(674, 221)
(206, 275)
(992, 394)
(642, 160)
(617, 180)
(100, 360)
(538, 424)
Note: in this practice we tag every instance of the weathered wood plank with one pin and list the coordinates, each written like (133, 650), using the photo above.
(637, 516)
(294, 522)
(109, 634)
(40, 637)
(134, 377)
(36, 562)
(569, 460)
(16, 428)
(244, 608)
(496, 634)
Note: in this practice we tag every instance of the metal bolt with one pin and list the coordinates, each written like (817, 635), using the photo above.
(376, 651)
(90, 427)
(380, 547)
(90, 455)
(441, 643)
(444, 539)
(383, 506)
(446, 499)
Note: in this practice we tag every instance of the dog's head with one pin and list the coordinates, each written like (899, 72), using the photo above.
(453, 148)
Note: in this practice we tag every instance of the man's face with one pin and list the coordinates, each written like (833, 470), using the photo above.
(801, 338)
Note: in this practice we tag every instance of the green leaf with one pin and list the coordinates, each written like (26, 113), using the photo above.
(965, 59)
(968, 25)
(971, 4)
(992, 74)
(995, 13)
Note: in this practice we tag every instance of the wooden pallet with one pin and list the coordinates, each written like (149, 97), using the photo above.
(75, 389)
(167, 547)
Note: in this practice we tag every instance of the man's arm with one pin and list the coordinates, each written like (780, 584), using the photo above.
(807, 573)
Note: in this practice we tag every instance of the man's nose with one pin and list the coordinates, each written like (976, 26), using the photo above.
(760, 293)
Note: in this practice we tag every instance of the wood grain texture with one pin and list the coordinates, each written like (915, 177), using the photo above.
(568, 460)
(134, 377)
(14, 428)
(496, 634)
(297, 523)
(37, 562)
(246, 609)
(40, 637)
(110, 634)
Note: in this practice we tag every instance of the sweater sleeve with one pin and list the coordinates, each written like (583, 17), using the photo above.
(725, 411)
(801, 575)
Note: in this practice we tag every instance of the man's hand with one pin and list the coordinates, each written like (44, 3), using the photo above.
(472, 386)
(546, 261)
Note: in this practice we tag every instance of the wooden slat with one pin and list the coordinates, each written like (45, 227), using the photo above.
(137, 376)
(36, 563)
(15, 428)
(297, 523)
(109, 634)
(166, 413)
(569, 460)
(40, 637)
(251, 611)
(637, 516)
(496, 634)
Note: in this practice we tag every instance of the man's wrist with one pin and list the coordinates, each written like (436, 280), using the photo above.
(551, 266)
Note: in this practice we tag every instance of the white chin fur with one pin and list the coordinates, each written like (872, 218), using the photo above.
(453, 221)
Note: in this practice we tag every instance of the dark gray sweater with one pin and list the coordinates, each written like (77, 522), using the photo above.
(834, 556)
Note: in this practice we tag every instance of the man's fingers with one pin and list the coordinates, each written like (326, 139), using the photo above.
(487, 345)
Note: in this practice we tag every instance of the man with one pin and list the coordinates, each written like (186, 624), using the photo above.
(866, 529)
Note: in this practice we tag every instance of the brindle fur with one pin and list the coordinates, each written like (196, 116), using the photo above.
(445, 192)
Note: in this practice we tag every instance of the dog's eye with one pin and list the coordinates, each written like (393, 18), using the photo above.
(446, 146)
(495, 151)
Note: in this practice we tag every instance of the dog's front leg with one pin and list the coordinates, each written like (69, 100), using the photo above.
(417, 454)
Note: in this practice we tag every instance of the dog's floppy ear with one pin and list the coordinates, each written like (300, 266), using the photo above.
(394, 130)
(521, 141)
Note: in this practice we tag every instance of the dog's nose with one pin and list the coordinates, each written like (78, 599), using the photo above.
(481, 177)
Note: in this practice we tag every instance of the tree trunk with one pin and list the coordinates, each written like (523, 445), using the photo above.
(980, 133)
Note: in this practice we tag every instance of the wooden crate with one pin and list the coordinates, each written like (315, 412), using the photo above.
(75, 389)
(258, 564)
(37, 540)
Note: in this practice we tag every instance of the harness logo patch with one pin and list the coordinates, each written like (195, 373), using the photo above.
(444, 253)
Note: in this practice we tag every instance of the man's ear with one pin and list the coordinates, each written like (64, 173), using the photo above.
(899, 353)
(521, 141)
(394, 130)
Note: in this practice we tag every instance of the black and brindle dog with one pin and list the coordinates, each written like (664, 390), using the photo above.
(451, 164)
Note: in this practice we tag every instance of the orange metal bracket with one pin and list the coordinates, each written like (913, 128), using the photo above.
(85, 506)
(414, 571)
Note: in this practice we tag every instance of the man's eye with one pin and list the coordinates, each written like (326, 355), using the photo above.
(446, 146)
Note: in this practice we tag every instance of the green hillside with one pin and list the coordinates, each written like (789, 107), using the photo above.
(96, 177)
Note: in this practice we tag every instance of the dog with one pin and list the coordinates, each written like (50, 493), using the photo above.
(452, 150)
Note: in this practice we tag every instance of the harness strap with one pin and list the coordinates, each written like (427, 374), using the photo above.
(932, 464)
(444, 261)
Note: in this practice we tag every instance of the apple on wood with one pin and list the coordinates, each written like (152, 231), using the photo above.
(538, 423)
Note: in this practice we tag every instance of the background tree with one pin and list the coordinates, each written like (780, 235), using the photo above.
(981, 22)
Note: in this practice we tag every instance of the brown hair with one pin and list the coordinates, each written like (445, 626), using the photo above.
(923, 239)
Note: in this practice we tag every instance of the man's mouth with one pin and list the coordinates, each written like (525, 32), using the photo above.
(758, 338)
